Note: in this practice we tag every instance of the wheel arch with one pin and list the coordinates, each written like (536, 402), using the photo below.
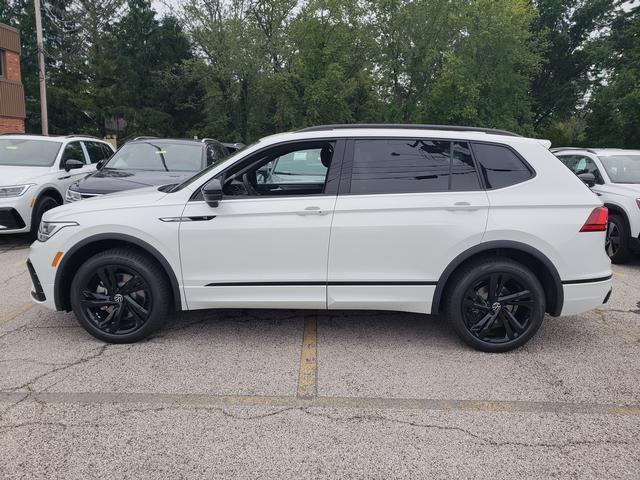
(90, 246)
(618, 210)
(50, 192)
(538, 262)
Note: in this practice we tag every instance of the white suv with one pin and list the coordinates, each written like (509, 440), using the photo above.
(616, 180)
(477, 223)
(35, 172)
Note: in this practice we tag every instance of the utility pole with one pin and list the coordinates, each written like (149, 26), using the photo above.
(43, 79)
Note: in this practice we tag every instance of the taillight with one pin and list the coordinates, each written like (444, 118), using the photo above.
(597, 221)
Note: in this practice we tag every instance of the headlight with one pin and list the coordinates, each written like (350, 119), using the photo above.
(14, 190)
(72, 195)
(49, 229)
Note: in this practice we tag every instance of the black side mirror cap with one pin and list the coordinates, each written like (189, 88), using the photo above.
(73, 164)
(588, 178)
(212, 192)
(100, 164)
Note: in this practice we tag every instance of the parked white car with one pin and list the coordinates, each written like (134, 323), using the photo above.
(616, 180)
(35, 172)
(484, 225)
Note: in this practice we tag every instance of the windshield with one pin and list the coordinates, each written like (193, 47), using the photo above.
(622, 168)
(28, 153)
(211, 167)
(158, 156)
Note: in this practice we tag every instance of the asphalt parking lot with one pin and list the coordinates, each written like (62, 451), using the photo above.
(287, 394)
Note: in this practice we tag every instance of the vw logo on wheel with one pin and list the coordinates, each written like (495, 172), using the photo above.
(118, 298)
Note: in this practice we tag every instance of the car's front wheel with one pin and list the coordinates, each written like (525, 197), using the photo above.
(495, 304)
(120, 296)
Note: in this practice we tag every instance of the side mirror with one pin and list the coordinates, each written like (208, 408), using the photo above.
(73, 164)
(588, 178)
(100, 164)
(212, 192)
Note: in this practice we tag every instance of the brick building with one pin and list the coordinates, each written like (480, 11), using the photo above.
(12, 107)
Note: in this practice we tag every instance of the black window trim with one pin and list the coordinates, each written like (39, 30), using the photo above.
(332, 182)
(347, 170)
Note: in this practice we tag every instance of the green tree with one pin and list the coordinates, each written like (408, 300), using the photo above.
(567, 31)
(614, 108)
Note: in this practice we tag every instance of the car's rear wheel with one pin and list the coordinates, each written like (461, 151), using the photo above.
(617, 242)
(43, 204)
(495, 304)
(120, 296)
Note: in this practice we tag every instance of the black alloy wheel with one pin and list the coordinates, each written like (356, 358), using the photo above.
(617, 239)
(117, 300)
(495, 304)
(497, 308)
(120, 296)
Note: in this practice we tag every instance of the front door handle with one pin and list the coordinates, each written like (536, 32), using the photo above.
(311, 211)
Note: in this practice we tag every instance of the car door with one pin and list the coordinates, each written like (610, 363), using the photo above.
(265, 244)
(73, 151)
(406, 208)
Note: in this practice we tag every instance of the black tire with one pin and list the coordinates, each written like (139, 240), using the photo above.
(120, 296)
(43, 204)
(617, 244)
(496, 322)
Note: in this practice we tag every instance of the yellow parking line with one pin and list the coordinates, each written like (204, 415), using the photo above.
(307, 377)
(15, 312)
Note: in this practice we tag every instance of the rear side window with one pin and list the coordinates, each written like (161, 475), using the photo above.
(97, 151)
(500, 166)
(412, 165)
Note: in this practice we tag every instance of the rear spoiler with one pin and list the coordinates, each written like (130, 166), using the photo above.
(545, 143)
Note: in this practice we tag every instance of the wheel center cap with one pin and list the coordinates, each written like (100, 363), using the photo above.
(496, 307)
(118, 298)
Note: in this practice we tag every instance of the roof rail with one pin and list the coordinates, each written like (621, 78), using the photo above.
(143, 137)
(408, 126)
(81, 135)
(558, 149)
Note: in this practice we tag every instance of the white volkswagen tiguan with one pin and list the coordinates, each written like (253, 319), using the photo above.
(483, 225)
(35, 171)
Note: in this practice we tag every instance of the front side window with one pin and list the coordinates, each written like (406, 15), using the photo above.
(622, 168)
(73, 151)
(28, 153)
(158, 156)
(579, 164)
(500, 166)
(283, 171)
(412, 165)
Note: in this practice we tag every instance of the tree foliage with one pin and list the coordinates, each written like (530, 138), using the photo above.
(240, 69)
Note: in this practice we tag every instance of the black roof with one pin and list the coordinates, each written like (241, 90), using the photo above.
(408, 126)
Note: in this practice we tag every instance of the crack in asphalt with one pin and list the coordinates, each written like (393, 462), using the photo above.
(352, 418)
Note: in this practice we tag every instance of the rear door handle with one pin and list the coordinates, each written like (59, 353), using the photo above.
(311, 211)
(462, 206)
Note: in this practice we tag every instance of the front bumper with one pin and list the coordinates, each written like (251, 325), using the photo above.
(582, 297)
(15, 214)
